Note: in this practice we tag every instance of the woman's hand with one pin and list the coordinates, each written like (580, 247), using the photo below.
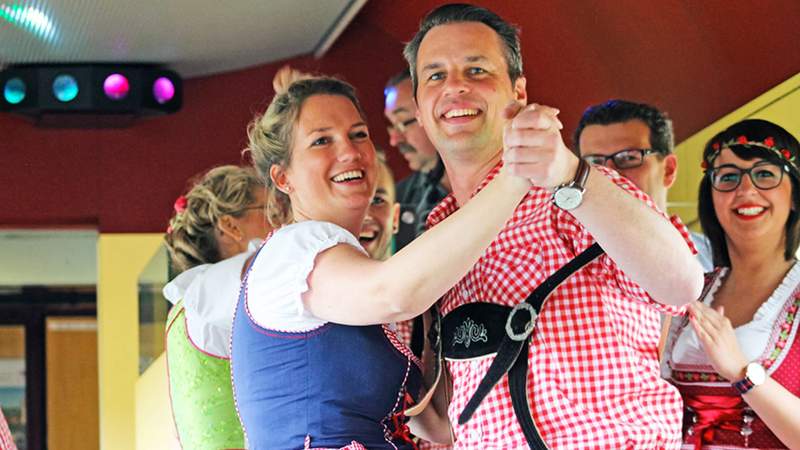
(718, 339)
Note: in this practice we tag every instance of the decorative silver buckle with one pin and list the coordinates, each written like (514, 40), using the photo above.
(528, 327)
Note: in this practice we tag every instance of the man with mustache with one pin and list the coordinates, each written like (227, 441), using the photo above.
(427, 185)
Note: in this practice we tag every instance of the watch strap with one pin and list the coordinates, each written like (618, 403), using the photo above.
(582, 174)
(743, 386)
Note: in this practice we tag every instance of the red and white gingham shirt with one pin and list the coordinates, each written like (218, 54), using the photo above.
(6, 440)
(593, 366)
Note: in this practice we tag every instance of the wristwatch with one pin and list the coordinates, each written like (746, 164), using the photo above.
(754, 375)
(569, 195)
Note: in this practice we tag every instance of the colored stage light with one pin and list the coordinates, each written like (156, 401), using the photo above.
(390, 97)
(163, 90)
(31, 19)
(116, 86)
(14, 91)
(65, 88)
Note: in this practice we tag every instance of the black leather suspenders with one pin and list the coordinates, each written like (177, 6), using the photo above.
(478, 329)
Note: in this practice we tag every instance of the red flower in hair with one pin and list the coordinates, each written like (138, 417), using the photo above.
(704, 165)
(786, 154)
(741, 140)
(180, 204)
(769, 142)
(715, 146)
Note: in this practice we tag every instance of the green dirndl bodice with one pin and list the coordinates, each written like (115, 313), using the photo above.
(200, 391)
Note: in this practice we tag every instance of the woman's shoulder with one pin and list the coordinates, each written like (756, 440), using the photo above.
(314, 229)
(278, 276)
(308, 236)
(193, 281)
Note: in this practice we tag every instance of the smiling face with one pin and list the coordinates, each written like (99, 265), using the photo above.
(331, 173)
(749, 214)
(464, 87)
(382, 217)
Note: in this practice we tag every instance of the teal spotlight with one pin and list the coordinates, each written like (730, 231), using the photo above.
(14, 91)
(65, 88)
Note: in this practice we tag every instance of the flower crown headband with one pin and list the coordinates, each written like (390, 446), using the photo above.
(768, 144)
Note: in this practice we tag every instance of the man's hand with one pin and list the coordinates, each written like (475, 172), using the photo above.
(533, 147)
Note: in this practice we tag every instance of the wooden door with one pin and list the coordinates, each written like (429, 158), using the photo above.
(72, 393)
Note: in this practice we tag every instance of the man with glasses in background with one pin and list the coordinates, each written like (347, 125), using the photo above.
(427, 185)
(636, 140)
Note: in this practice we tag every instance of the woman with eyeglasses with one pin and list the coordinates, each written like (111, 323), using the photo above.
(736, 356)
(208, 241)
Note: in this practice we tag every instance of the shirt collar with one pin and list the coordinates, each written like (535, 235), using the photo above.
(449, 205)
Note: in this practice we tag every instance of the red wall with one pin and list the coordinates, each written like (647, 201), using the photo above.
(696, 60)
(125, 180)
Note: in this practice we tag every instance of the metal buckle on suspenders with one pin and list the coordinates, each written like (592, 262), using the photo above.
(525, 334)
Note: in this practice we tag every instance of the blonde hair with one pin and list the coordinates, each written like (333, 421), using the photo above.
(223, 190)
(270, 134)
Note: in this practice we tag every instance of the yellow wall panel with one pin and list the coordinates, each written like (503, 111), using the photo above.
(155, 428)
(121, 258)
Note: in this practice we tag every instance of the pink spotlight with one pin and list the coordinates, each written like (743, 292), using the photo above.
(116, 86)
(163, 90)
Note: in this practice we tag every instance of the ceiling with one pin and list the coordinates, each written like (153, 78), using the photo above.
(717, 53)
(193, 37)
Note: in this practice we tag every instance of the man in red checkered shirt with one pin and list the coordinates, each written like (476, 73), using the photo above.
(592, 379)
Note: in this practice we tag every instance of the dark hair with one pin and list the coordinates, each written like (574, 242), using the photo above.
(460, 12)
(270, 133)
(754, 130)
(398, 78)
(614, 111)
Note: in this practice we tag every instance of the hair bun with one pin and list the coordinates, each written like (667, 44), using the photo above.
(285, 76)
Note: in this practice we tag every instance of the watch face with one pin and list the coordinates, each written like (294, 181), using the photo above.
(568, 197)
(755, 373)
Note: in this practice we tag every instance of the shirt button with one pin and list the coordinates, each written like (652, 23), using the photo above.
(475, 435)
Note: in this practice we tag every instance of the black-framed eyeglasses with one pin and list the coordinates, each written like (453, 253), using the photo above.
(623, 159)
(401, 126)
(764, 175)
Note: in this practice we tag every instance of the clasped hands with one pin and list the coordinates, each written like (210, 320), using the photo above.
(533, 147)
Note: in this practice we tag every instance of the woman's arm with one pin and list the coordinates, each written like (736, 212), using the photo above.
(773, 403)
(432, 424)
(348, 287)
(778, 408)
